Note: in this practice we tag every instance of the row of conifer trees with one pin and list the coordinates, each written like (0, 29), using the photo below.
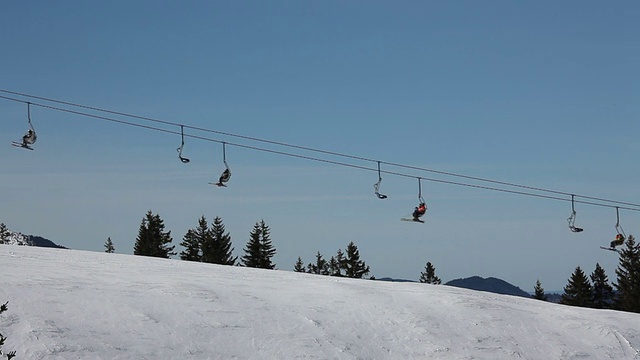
(204, 243)
(596, 292)
(212, 244)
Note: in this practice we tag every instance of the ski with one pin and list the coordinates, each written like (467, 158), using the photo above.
(412, 220)
(610, 249)
(21, 145)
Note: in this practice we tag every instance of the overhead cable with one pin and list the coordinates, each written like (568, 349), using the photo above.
(554, 196)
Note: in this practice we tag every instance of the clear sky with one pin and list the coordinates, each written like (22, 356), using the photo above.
(543, 94)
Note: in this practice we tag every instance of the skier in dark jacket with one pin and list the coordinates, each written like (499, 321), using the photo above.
(226, 175)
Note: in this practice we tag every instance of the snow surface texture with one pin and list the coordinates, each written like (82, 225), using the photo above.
(68, 304)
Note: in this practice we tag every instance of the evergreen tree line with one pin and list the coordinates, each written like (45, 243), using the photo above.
(596, 292)
(343, 264)
(209, 243)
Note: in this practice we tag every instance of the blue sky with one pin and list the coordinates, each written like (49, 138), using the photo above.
(535, 93)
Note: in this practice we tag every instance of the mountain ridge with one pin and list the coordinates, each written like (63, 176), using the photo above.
(490, 284)
(18, 238)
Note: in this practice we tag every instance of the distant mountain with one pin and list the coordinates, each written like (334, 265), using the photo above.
(17, 238)
(553, 297)
(42, 242)
(489, 284)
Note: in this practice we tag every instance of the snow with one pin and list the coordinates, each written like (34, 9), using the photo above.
(69, 304)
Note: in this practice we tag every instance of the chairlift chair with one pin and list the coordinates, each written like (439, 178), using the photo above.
(30, 137)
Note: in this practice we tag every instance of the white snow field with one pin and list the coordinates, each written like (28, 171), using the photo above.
(67, 304)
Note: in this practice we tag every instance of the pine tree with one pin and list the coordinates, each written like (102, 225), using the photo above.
(335, 264)
(352, 265)
(321, 267)
(628, 277)
(251, 257)
(4, 233)
(222, 252)
(12, 354)
(578, 291)
(204, 237)
(152, 240)
(538, 292)
(268, 251)
(428, 276)
(602, 295)
(191, 246)
(299, 266)
(109, 247)
(259, 249)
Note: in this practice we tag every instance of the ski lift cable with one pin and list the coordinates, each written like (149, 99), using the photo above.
(475, 178)
(317, 159)
(630, 207)
(285, 144)
(165, 122)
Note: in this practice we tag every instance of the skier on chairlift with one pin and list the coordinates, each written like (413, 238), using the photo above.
(29, 138)
(619, 240)
(419, 211)
(226, 175)
(620, 236)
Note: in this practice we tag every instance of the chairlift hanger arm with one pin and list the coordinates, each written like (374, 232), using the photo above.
(376, 186)
(224, 156)
(183, 159)
(618, 226)
(572, 218)
(29, 116)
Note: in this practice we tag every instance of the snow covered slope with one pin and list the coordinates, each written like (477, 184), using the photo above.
(67, 304)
